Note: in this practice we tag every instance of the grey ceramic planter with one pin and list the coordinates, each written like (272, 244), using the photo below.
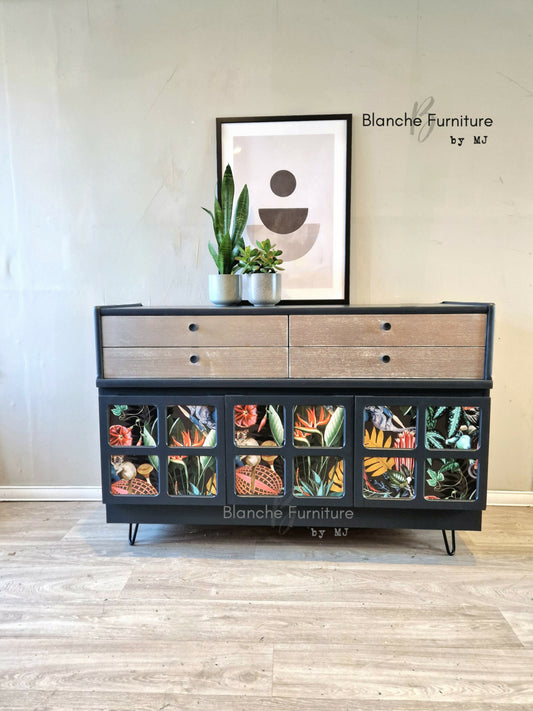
(225, 289)
(263, 289)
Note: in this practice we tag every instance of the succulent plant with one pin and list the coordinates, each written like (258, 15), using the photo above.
(229, 238)
(261, 259)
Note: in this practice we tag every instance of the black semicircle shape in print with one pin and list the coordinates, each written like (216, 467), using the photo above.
(282, 221)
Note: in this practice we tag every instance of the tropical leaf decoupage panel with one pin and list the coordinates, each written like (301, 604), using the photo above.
(319, 426)
(455, 427)
(134, 475)
(318, 476)
(191, 426)
(259, 425)
(451, 479)
(390, 426)
(260, 474)
(388, 477)
(132, 425)
(191, 475)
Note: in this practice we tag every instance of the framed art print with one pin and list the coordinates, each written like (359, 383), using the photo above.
(297, 169)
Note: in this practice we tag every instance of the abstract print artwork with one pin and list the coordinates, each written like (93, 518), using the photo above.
(389, 427)
(452, 427)
(451, 479)
(298, 171)
(191, 426)
(132, 425)
(318, 426)
(134, 475)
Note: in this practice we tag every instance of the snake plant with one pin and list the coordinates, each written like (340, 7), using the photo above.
(229, 239)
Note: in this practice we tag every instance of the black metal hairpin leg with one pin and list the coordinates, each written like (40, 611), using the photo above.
(133, 533)
(449, 551)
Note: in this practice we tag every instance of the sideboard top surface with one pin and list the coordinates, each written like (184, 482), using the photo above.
(444, 307)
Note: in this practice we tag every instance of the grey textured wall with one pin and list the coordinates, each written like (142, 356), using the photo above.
(107, 152)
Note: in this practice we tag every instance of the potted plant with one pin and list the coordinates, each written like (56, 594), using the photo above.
(225, 286)
(261, 266)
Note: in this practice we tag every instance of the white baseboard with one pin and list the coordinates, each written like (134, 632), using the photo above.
(50, 493)
(94, 493)
(510, 498)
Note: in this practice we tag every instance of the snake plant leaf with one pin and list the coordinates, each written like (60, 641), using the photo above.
(276, 425)
(225, 260)
(219, 222)
(241, 217)
(227, 191)
(211, 216)
(214, 254)
(334, 429)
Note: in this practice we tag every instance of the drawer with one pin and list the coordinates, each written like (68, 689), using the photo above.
(388, 330)
(163, 331)
(404, 362)
(231, 363)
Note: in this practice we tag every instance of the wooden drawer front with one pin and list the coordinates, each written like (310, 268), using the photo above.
(193, 330)
(388, 330)
(233, 363)
(405, 362)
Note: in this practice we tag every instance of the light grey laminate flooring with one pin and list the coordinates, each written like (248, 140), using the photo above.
(237, 619)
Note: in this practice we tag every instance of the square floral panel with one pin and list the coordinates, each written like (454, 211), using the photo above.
(390, 426)
(259, 425)
(134, 475)
(451, 479)
(257, 475)
(455, 427)
(192, 475)
(191, 426)
(319, 426)
(319, 476)
(132, 425)
(388, 478)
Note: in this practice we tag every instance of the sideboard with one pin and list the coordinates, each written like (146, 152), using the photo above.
(342, 416)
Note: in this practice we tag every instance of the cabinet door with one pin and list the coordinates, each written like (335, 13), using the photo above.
(421, 452)
(162, 449)
(289, 450)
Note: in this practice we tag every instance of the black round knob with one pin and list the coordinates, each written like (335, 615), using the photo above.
(193, 327)
(385, 359)
(194, 359)
(386, 326)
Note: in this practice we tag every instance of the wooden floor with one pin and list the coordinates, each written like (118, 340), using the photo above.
(235, 619)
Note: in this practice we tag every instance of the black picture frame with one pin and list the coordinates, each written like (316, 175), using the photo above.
(298, 172)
